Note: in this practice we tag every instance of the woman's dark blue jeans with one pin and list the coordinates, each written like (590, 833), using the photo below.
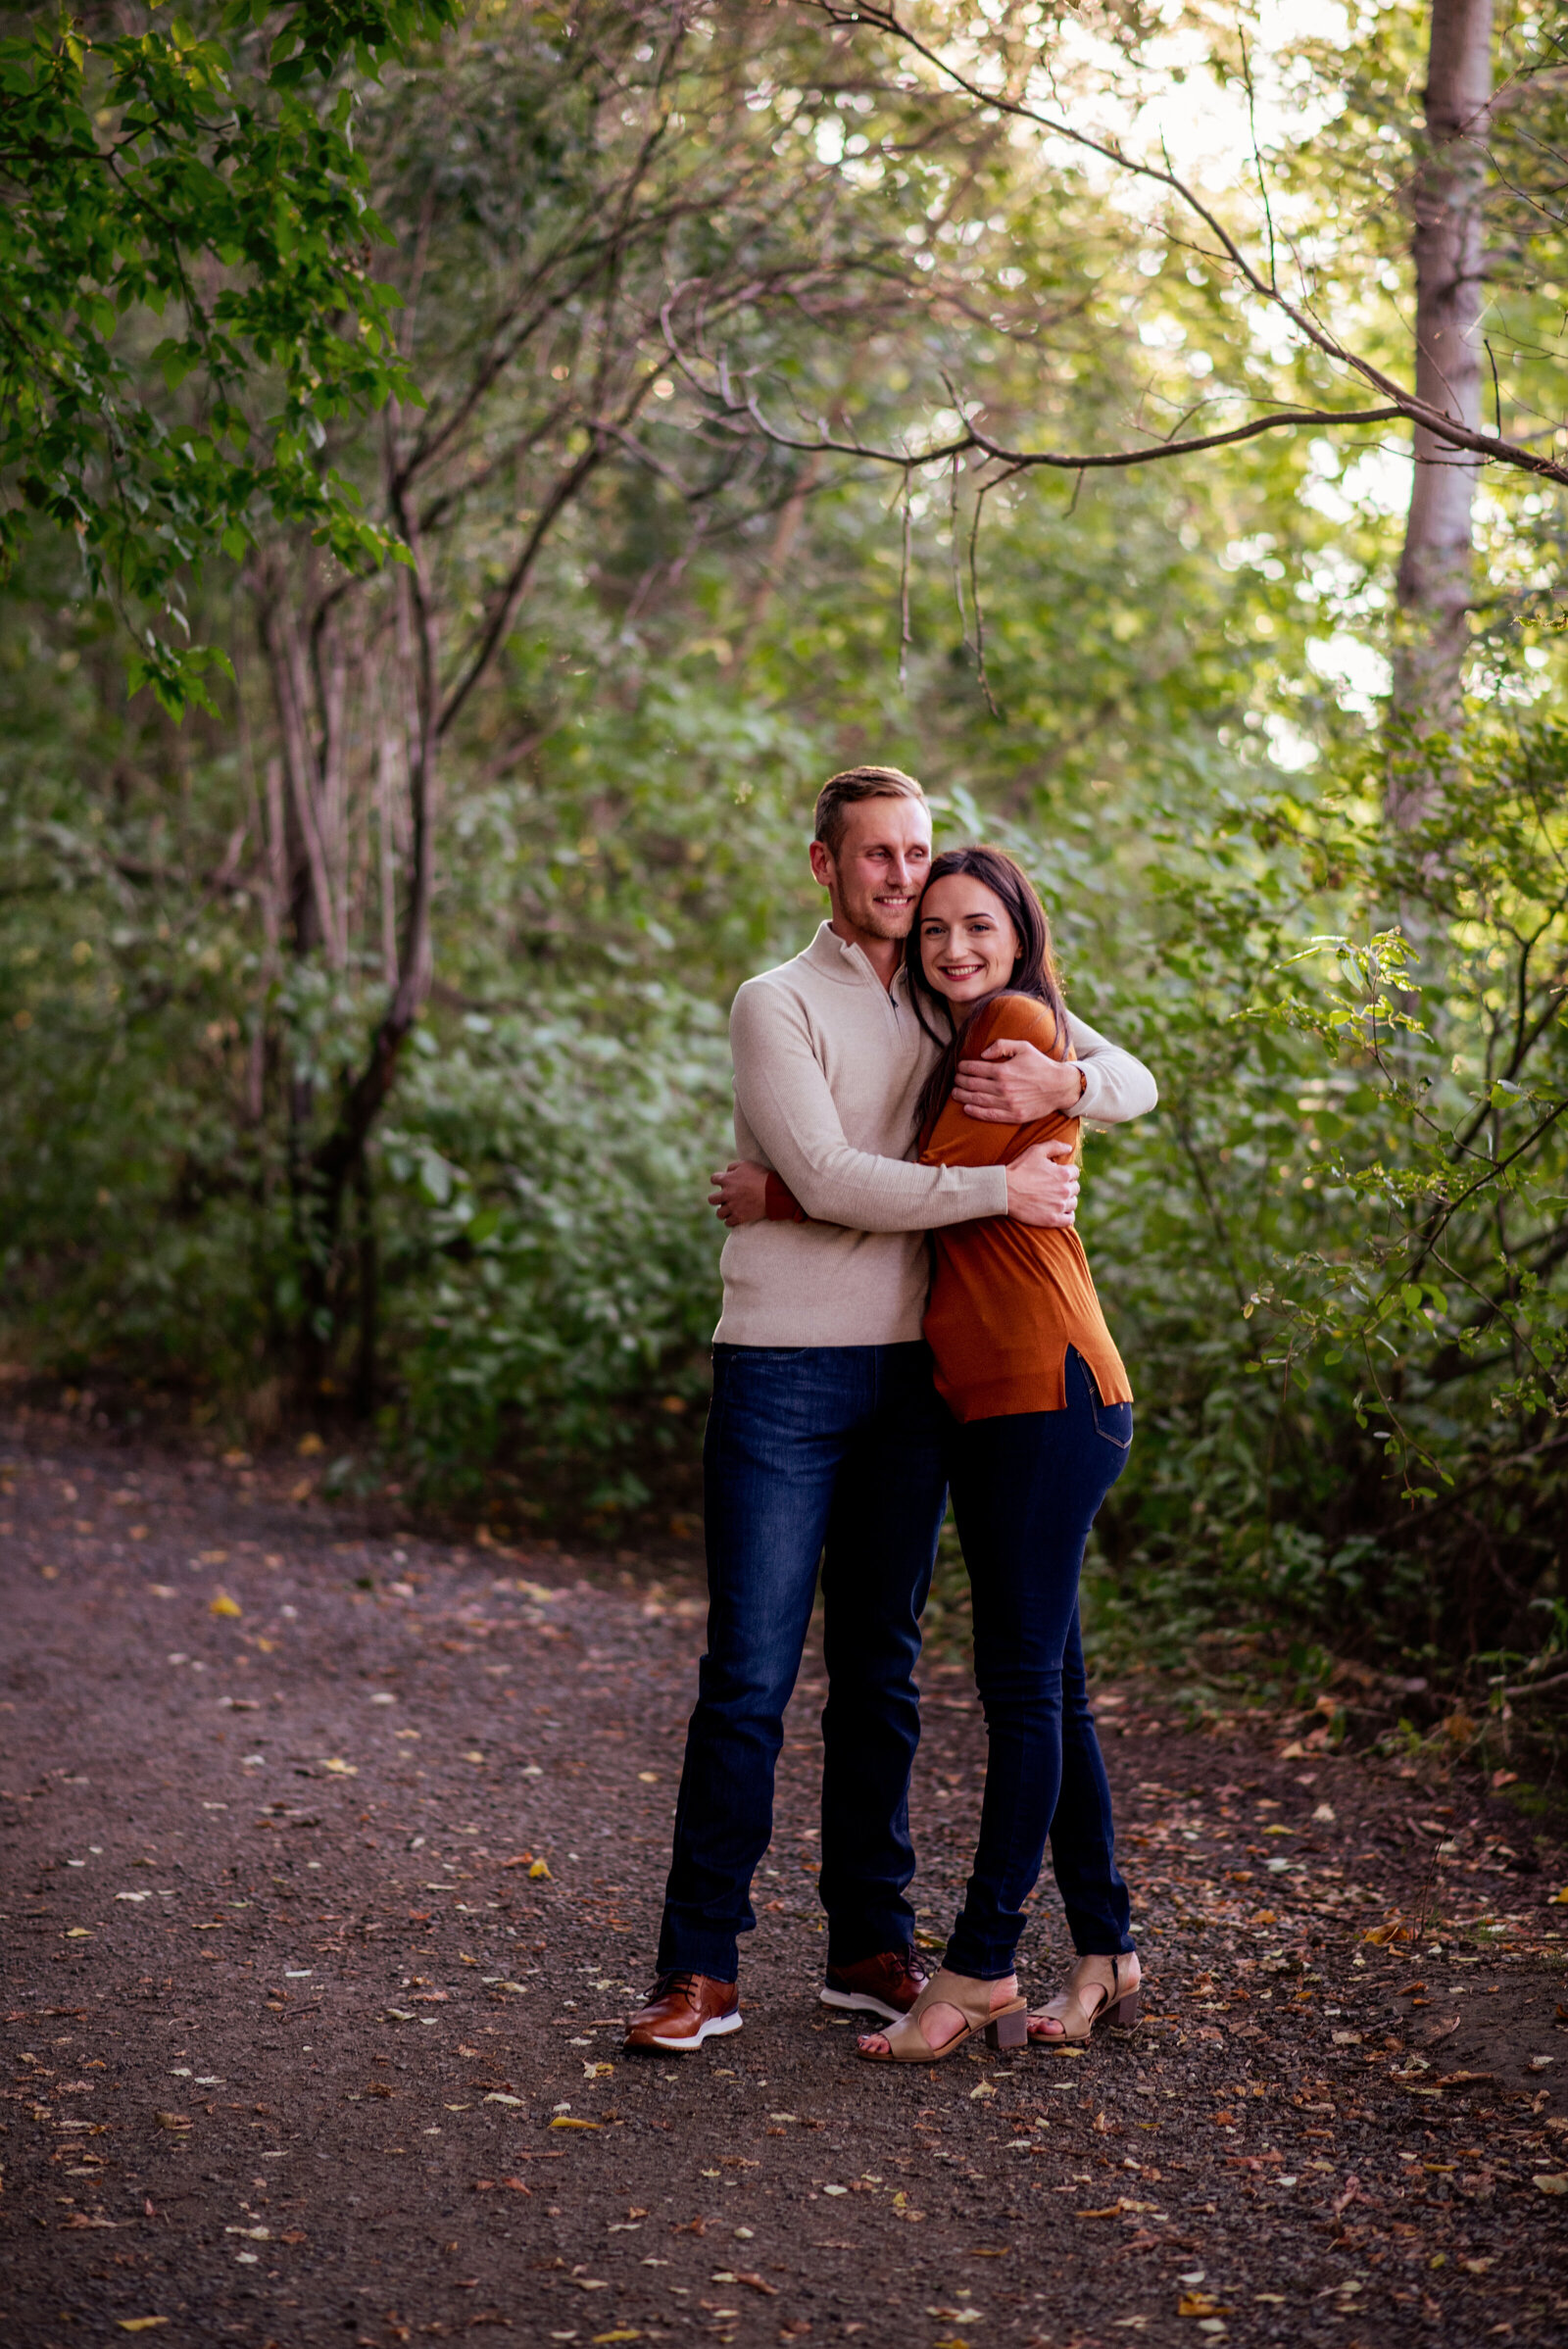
(1025, 1492)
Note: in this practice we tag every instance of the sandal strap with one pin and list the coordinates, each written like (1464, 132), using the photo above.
(1073, 2004)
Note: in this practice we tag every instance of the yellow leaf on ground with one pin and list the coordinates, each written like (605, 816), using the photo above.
(540, 1868)
(139, 2324)
(1198, 2304)
(1552, 2182)
(565, 2121)
(342, 1769)
(223, 1604)
(76, 1933)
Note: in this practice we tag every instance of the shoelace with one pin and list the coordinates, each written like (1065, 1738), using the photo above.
(685, 1983)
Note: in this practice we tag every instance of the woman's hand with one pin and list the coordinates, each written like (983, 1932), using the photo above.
(1013, 1082)
(740, 1194)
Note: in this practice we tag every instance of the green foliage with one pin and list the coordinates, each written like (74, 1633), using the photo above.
(1334, 1260)
(171, 175)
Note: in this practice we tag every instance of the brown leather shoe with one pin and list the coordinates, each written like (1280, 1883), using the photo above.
(682, 2011)
(886, 1985)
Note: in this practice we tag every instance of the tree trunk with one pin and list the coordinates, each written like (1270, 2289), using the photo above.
(1435, 569)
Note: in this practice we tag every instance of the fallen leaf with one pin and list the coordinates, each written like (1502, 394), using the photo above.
(1198, 2304)
(309, 1446)
(540, 1869)
(172, 2120)
(748, 2276)
(983, 2089)
(565, 2121)
(76, 1933)
(79, 2218)
(342, 1769)
(494, 2097)
(1552, 2182)
(623, 2333)
(221, 1604)
(139, 2324)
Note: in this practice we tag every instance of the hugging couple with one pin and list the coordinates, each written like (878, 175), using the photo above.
(907, 1308)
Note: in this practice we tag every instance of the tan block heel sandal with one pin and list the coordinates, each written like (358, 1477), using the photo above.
(1100, 1989)
(1001, 2027)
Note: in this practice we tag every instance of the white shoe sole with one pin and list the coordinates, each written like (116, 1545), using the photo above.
(861, 2002)
(714, 2028)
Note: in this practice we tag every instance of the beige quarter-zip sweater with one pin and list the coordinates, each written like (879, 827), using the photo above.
(828, 1067)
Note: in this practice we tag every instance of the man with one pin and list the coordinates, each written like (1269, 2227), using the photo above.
(824, 1438)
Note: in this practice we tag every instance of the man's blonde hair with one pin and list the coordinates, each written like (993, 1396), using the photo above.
(841, 792)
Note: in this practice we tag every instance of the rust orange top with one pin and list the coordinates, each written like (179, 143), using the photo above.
(1007, 1299)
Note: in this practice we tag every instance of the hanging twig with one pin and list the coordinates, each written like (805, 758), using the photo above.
(904, 584)
(981, 494)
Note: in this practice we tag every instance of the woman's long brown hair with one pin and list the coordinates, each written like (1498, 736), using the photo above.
(1034, 971)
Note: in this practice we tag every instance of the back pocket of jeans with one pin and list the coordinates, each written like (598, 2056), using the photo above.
(1113, 1421)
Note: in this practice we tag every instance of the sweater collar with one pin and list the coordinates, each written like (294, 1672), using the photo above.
(836, 958)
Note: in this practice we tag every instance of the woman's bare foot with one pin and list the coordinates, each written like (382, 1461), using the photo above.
(940, 2022)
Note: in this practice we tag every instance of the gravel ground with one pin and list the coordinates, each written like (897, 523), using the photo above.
(332, 1865)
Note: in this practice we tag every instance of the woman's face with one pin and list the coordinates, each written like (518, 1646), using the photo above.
(968, 944)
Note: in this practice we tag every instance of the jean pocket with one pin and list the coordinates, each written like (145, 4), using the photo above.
(1113, 1421)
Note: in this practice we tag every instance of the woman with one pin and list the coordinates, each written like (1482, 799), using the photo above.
(1042, 1423)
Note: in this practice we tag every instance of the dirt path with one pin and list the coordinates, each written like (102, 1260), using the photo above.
(301, 2021)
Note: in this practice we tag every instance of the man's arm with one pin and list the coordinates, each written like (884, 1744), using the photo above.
(784, 1097)
(1013, 1082)
(1040, 1190)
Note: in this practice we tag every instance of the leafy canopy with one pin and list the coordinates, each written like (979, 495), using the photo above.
(206, 180)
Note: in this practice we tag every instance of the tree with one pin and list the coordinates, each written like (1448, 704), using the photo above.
(569, 193)
(1435, 584)
(1022, 66)
(206, 180)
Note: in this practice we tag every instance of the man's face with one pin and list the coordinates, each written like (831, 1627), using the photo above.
(880, 868)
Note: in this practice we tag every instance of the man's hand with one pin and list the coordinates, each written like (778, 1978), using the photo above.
(1012, 1084)
(1041, 1190)
(740, 1193)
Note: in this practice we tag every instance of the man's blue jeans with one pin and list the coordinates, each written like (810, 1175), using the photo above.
(830, 1453)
